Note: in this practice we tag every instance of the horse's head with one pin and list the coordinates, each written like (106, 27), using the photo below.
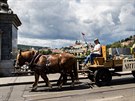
(24, 57)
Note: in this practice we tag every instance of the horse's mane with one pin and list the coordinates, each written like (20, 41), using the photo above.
(25, 50)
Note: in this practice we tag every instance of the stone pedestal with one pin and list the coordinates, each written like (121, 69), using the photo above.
(8, 25)
(0, 44)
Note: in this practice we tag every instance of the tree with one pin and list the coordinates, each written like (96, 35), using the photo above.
(46, 52)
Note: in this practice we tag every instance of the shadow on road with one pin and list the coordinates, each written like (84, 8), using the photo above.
(84, 85)
(67, 87)
(122, 81)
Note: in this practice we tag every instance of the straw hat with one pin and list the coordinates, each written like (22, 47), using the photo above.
(96, 39)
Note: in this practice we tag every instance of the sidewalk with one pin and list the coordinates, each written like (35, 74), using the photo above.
(6, 81)
(16, 80)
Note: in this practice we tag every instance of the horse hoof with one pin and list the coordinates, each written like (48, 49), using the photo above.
(47, 85)
(72, 85)
(50, 86)
(33, 90)
(65, 83)
(34, 85)
(76, 81)
(59, 87)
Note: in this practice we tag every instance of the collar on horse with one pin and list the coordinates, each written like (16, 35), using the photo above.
(34, 59)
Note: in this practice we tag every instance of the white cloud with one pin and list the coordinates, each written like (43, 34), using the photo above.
(60, 20)
(57, 43)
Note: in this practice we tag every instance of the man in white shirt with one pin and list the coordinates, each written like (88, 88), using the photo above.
(96, 52)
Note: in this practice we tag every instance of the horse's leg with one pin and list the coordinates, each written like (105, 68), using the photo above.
(46, 80)
(65, 78)
(60, 81)
(34, 86)
(72, 78)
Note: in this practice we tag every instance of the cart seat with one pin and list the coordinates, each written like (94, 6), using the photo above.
(102, 59)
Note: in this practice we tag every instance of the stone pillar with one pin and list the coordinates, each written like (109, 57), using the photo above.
(9, 23)
(0, 43)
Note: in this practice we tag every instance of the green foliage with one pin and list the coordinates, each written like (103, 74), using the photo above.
(116, 45)
(119, 45)
(26, 47)
(127, 39)
(45, 52)
(88, 52)
(108, 46)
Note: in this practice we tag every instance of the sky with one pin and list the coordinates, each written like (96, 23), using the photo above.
(59, 23)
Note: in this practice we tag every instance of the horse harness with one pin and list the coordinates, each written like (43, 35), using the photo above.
(47, 65)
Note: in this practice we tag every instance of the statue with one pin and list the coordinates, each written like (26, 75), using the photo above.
(4, 8)
(5, 1)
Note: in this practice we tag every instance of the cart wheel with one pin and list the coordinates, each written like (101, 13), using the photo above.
(102, 77)
(133, 72)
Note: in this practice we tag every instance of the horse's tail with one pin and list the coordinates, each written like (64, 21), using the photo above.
(75, 70)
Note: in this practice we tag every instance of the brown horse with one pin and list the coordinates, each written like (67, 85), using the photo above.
(63, 63)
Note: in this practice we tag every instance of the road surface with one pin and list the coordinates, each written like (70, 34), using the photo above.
(121, 89)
